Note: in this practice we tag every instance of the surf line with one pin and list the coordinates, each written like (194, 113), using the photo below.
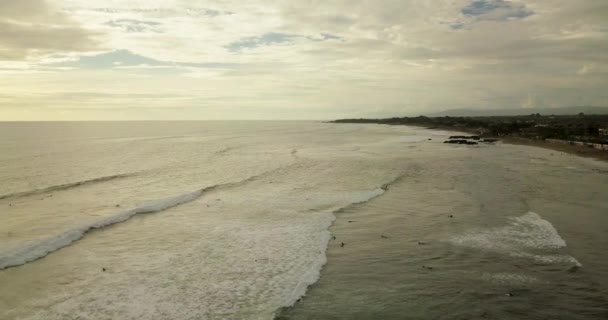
(43, 248)
(314, 274)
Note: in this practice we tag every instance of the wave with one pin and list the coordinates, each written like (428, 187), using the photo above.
(42, 248)
(314, 273)
(63, 186)
(528, 236)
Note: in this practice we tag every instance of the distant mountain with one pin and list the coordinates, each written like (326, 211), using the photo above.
(519, 111)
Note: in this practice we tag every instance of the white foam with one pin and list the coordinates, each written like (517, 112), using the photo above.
(508, 278)
(523, 237)
(549, 258)
(239, 262)
(314, 273)
(37, 250)
(532, 231)
(33, 251)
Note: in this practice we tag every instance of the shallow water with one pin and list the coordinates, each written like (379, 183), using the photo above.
(207, 220)
(484, 235)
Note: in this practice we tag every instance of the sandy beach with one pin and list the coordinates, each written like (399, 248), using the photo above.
(567, 148)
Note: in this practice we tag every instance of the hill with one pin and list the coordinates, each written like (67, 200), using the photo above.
(520, 111)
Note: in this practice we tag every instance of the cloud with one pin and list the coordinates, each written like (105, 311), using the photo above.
(496, 10)
(263, 40)
(457, 26)
(215, 13)
(162, 9)
(273, 38)
(334, 58)
(109, 60)
(34, 26)
(121, 59)
(327, 36)
(135, 26)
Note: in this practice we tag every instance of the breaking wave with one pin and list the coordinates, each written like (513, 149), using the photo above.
(63, 186)
(527, 236)
(314, 273)
(38, 250)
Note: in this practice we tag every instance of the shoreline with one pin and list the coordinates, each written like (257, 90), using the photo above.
(576, 150)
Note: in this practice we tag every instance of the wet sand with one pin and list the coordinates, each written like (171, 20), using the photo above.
(561, 147)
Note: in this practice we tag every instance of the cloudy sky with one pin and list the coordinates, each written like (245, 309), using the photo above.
(296, 59)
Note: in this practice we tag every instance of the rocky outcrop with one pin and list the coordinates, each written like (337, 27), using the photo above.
(460, 141)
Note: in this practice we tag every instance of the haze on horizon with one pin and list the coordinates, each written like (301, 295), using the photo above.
(226, 59)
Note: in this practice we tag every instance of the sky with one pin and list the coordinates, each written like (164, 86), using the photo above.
(296, 59)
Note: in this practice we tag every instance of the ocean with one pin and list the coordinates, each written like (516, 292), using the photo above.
(294, 220)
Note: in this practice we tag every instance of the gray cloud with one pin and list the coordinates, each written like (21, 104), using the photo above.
(135, 26)
(170, 11)
(215, 13)
(33, 25)
(457, 26)
(273, 38)
(328, 36)
(263, 40)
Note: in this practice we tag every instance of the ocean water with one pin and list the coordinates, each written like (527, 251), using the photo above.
(294, 220)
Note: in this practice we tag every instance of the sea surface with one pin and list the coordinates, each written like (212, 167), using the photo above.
(294, 220)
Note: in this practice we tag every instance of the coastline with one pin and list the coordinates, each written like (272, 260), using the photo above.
(580, 151)
(576, 150)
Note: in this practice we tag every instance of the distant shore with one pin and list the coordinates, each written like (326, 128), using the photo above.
(566, 148)
(581, 151)
(577, 150)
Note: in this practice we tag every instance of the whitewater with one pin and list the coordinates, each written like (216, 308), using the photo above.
(253, 220)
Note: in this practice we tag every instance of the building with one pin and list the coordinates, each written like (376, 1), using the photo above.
(603, 132)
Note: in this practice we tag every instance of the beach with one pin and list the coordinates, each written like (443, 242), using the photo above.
(581, 151)
(576, 150)
(294, 220)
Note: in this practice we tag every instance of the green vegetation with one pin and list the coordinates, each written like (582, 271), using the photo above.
(581, 127)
